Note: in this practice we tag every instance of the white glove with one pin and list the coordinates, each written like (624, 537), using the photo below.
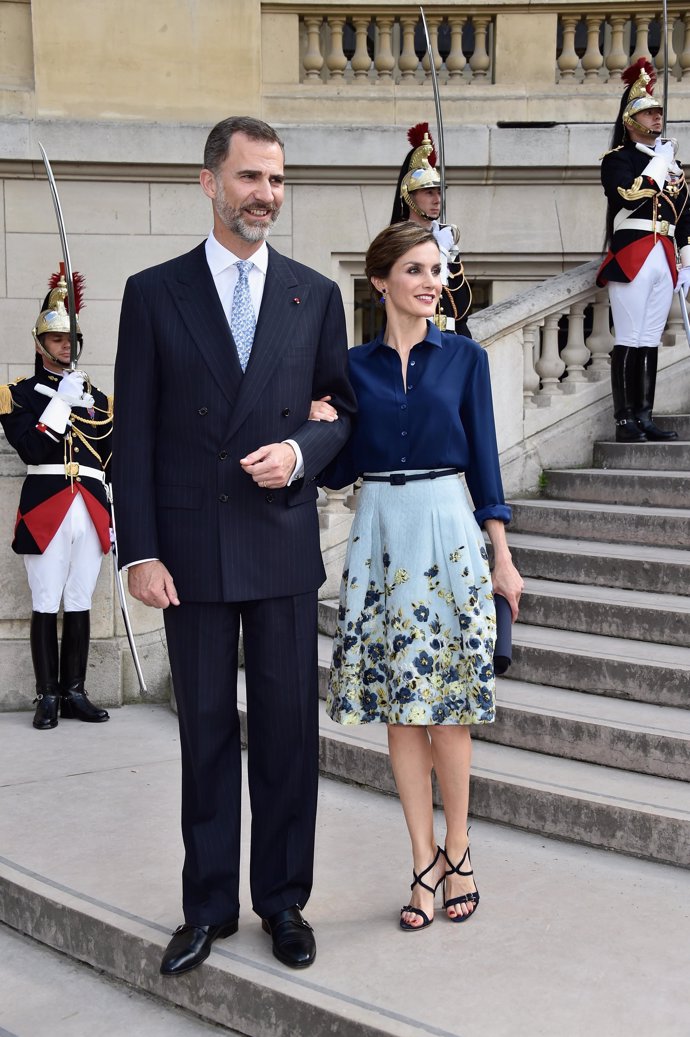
(665, 148)
(683, 282)
(70, 394)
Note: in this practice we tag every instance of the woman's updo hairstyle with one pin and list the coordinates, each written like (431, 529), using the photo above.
(392, 243)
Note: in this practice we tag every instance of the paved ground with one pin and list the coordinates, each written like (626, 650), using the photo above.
(567, 941)
(45, 994)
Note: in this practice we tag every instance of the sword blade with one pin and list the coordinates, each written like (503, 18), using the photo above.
(73, 344)
(439, 117)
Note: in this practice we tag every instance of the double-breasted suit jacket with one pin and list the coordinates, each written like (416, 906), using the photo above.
(187, 414)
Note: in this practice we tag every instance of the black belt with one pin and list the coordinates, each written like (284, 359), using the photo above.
(400, 478)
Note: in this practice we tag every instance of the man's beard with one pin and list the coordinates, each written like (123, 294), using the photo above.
(235, 221)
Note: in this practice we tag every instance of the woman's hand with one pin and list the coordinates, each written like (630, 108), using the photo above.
(505, 578)
(321, 410)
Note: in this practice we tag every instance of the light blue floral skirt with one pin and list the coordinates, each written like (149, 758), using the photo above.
(416, 622)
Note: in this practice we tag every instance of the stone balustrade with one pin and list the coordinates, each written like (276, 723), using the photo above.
(342, 45)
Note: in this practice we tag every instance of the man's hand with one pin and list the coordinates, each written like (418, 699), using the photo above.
(151, 583)
(683, 282)
(270, 466)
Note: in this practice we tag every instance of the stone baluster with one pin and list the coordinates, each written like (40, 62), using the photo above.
(617, 58)
(408, 62)
(335, 505)
(530, 378)
(568, 59)
(361, 62)
(550, 367)
(576, 353)
(384, 62)
(456, 60)
(336, 62)
(433, 22)
(480, 62)
(642, 20)
(313, 59)
(601, 341)
(685, 53)
(592, 59)
(671, 54)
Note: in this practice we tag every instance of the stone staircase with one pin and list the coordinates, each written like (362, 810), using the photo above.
(592, 740)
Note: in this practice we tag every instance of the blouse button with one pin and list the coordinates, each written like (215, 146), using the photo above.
(403, 433)
(410, 386)
(412, 363)
(403, 406)
(203, 411)
(403, 459)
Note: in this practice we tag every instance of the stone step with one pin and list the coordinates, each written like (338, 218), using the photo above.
(620, 523)
(614, 612)
(645, 672)
(637, 567)
(618, 486)
(667, 457)
(627, 735)
(647, 736)
(679, 422)
(584, 802)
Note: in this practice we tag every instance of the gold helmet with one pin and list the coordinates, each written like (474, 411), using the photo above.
(417, 172)
(641, 78)
(54, 316)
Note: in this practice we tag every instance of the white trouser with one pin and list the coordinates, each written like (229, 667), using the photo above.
(69, 565)
(640, 309)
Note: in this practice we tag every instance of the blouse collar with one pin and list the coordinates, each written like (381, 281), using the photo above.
(433, 337)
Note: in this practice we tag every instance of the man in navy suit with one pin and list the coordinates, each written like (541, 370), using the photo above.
(220, 353)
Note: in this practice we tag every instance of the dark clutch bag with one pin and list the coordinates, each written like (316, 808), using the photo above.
(503, 649)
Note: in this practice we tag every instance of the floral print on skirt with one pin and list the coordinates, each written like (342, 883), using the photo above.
(416, 622)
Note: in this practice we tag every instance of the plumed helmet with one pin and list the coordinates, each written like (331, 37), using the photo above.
(54, 315)
(417, 171)
(637, 97)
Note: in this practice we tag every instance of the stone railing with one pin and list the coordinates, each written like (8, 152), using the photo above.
(341, 45)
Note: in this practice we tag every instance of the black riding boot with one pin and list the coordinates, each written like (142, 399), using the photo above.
(44, 655)
(624, 382)
(645, 395)
(74, 654)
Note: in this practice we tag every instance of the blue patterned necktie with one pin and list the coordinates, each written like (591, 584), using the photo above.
(242, 317)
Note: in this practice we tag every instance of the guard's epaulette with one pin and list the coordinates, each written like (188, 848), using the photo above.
(601, 157)
(6, 397)
(111, 401)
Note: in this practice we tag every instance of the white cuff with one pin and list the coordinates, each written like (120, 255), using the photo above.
(298, 470)
(657, 170)
(56, 415)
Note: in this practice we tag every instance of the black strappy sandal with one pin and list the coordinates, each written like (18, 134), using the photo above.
(466, 898)
(417, 880)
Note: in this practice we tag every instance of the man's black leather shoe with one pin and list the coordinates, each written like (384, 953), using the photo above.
(191, 944)
(293, 938)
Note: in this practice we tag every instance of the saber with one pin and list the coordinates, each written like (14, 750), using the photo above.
(123, 602)
(439, 117)
(73, 344)
(681, 297)
(665, 29)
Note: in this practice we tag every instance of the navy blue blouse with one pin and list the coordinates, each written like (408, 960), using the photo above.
(444, 420)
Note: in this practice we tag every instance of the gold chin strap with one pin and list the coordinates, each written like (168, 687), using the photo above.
(639, 128)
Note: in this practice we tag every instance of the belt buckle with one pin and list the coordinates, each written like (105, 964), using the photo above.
(398, 479)
(71, 470)
(663, 227)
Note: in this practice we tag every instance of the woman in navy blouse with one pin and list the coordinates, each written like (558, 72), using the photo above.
(416, 622)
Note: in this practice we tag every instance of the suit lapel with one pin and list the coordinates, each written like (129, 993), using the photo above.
(196, 298)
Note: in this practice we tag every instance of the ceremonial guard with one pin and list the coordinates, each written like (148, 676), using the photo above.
(648, 229)
(61, 427)
(418, 199)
